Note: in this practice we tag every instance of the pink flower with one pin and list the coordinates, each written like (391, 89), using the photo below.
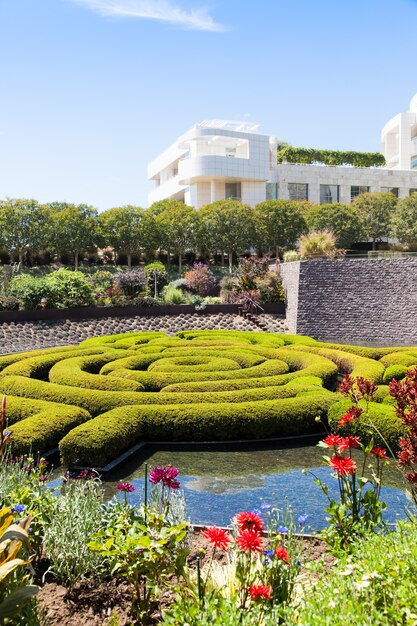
(166, 475)
(126, 487)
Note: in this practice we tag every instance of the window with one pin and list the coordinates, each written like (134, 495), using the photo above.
(414, 162)
(329, 194)
(298, 191)
(356, 191)
(272, 191)
(414, 190)
(232, 191)
(393, 190)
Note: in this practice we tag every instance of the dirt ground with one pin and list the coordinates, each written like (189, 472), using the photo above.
(93, 604)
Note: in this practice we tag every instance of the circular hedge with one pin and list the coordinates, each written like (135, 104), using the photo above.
(97, 399)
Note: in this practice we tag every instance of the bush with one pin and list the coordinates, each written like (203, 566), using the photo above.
(318, 243)
(386, 430)
(155, 272)
(61, 289)
(131, 282)
(171, 295)
(270, 288)
(396, 372)
(249, 269)
(42, 431)
(30, 291)
(9, 303)
(200, 279)
(69, 289)
(292, 255)
(100, 440)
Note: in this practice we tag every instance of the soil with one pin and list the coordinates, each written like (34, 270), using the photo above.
(108, 604)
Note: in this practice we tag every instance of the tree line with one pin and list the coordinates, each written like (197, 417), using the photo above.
(226, 226)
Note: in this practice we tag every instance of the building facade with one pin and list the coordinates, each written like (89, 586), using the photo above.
(220, 159)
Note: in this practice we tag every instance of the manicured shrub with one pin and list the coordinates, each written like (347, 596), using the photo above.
(100, 440)
(406, 358)
(156, 277)
(396, 372)
(61, 289)
(76, 372)
(43, 431)
(39, 366)
(92, 400)
(383, 426)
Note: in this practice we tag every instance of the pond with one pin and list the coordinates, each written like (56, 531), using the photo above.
(219, 482)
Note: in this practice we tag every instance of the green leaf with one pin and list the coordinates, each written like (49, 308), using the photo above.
(16, 600)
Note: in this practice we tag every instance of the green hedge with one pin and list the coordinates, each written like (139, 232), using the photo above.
(39, 366)
(122, 339)
(349, 363)
(44, 430)
(94, 401)
(383, 426)
(396, 372)
(97, 442)
(73, 372)
(407, 358)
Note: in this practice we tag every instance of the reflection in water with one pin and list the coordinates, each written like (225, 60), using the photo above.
(219, 483)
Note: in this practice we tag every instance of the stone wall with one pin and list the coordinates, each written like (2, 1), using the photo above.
(353, 300)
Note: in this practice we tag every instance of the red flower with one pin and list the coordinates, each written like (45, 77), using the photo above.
(346, 385)
(260, 592)
(411, 477)
(379, 453)
(282, 554)
(343, 465)
(332, 441)
(165, 474)
(217, 536)
(366, 387)
(248, 521)
(249, 541)
(347, 443)
(351, 415)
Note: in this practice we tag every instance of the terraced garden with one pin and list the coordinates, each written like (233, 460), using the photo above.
(98, 399)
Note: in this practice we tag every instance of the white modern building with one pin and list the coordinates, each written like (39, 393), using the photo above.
(219, 159)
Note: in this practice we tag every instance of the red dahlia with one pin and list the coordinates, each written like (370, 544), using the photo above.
(347, 443)
(350, 416)
(217, 536)
(281, 553)
(249, 541)
(343, 465)
(380, 453)
(260, 592)
(332, 441)
(248, 521)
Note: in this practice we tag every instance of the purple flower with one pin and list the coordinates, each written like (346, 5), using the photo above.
(256, 512)
(126, 487)
(303, 518)
(283, 529)
(265, 505)
(18, 508)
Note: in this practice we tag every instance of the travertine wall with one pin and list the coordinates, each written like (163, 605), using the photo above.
(353, 300)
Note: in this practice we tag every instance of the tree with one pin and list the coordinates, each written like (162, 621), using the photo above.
(176, 224)
(24, 225)
(376, 211)
(404, 221)
(279, 223)
(122, 229)
(227, 226)
(75, 229)
(343, 220)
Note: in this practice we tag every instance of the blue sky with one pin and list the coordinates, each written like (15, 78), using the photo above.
(91, 90)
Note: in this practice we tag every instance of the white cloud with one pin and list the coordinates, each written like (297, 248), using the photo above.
(163, 10)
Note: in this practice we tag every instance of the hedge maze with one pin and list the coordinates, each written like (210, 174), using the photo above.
(98, 399)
